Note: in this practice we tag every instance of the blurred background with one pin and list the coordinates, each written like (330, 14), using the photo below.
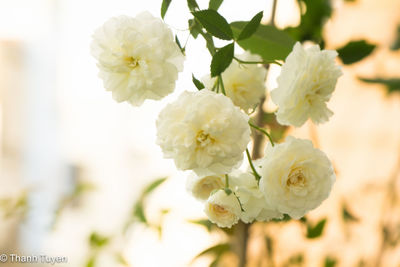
(73, 162)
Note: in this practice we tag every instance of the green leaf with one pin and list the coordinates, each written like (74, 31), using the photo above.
(164, 7)
(203, 222)
(199, 85)
(268, 42)
(97, 241)
(314, 15)
(138, 212)
(214, 23)
(216, 250)
(179, 45)
(330, 262)
(215, 262)
(194, 28)
(396, 43)
(347, 216)
(284, 219)
(214, 4)
(222, 59)
(151, 187)
(251, 27)
(315, 231)
(192, 5)
(355, 51)
(91, 262)
(392, 84)
(296, 259)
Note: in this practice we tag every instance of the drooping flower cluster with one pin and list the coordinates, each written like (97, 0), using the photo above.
(207, 132)
(307, 81)
(137, 57)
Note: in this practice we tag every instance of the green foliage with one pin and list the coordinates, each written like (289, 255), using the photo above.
(179, 45)
(203, 222)
(152, 186)
(347, 216)
(297, 259)
(277, 130)
(97, 241)
(392, 84)
(314, 231)
(215, 251)
(330, 262)
(355, 51)
(312, 21)
(251, 27)
(164, 7)
(199, 85)
(222, 59)
(138, 212)
(285, 218)
(396, 43)
(214, 23)
(214, 4)
(268, 42)
(14, 206)
(192, 5)
(91, 262)
(194, 28)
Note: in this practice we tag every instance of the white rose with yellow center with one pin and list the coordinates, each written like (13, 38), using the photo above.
(306, 82)
(137, 57)
(204, 132)
(295, 177)
(223, 209)
(244, 83)
(201, 186)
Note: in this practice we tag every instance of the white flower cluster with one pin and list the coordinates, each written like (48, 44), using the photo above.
(207, 132)
(137, 57)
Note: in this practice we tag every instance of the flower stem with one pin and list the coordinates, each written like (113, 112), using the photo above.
(263, 131)
(221, 82)
(226, 181)
(256, 175)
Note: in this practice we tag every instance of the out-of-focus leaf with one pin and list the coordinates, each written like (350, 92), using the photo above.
(347, 215)
(314, 231)
(204, 222)
(214, 23)
(251, 27)
(285, 218)
(216, 250)
(199, 85)
(192, 5)
(392, 84)
(121, 259)
(222, 59)
(268, 42)
(269, 244)
(91, 262)
(164, 7)
(215, 262)
(138, 212)
(355, 51)
(330, 262)
(296, 259)
(277, 131)
(151, 187)
(312, 21)
(97, 241)
(396, 43)
(214, 4)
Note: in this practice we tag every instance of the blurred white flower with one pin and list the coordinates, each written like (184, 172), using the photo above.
(201, 186)
(253, 202)
(204, 132)
(137, 57)
(307, 81)
(244, 83)
(223, 209)
(295, 177)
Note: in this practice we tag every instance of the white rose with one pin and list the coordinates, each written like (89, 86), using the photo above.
(204, 132)
(244, 83)
(252, 199)
(137, 57)
(295, 177)
(223, 209)
(201, 186)
(306, 82)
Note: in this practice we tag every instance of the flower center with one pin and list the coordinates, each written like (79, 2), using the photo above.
(296, 178)
(132, 62)
(219, 209)
(203, 139)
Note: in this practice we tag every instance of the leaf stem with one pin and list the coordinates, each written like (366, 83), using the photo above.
(263, 131)
(255, 173)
